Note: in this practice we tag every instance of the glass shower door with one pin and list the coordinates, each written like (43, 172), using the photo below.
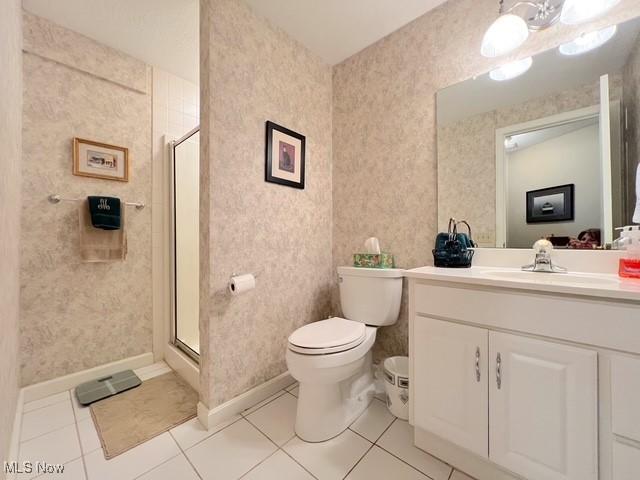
(185, 200)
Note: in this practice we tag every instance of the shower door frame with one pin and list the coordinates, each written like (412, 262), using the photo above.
(175, 341)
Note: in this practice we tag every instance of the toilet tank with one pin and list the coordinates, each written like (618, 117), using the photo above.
(370, 295)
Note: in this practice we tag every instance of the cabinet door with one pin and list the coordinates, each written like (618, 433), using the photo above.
(626, 461)
(450, 387)
(543, 408)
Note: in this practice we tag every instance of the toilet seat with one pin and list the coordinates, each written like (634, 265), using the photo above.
(333, 335)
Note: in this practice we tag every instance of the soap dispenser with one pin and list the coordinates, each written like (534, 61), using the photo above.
(629, 242)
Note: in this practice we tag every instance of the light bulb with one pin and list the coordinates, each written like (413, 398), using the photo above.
(507, 33)
(511, 70)
(589, 41)
(579, 11)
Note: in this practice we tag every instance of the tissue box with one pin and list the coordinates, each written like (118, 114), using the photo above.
(373, 260)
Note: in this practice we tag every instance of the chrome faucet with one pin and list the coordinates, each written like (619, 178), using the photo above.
(542, 262)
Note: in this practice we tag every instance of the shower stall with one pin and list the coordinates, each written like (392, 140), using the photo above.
(185, 187)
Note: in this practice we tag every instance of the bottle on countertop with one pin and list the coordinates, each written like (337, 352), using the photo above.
(629, 242)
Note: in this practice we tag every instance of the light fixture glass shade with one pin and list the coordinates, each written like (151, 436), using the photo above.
(589, 41)
(579, 11)
(507, 33)
(511, 70)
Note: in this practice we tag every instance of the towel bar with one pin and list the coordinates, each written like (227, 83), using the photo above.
(55, 198)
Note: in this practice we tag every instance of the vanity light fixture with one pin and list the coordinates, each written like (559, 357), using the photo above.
(507, 33)
(589, 41)
(580, 11)
(511, 70)
(511, 29)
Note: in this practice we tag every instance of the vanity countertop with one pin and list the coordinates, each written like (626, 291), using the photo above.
(609, 286)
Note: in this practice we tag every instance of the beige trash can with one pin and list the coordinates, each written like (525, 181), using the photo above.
(396, 384)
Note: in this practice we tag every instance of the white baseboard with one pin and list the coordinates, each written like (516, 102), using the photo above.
(59, 385)
(183, 366)
(14, 444)
(221, 413)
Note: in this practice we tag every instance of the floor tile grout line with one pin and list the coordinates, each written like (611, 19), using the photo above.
(359, 460)
(258, 464)
(281, 392)
(47, 433)
(268, 437)
(75, 418)
(386, 429)
(359, 434)
(240, 417)
(404, 461)
(412, 466)
(155, 466)
(48, 405)
(184, 453)
(296, 461)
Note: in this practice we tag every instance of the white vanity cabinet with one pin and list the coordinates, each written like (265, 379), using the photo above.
(543, 408)
(513, 383)
(528, 405)
(452, 390)
(625, 420)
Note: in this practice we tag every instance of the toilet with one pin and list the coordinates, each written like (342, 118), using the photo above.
(331, 359)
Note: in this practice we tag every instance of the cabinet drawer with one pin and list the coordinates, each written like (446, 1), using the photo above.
(626, 462)
(573, 319)
(625, 396)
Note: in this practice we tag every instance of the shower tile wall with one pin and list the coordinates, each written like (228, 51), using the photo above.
(176, 108)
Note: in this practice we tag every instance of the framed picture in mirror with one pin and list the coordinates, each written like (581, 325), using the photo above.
(554, 204)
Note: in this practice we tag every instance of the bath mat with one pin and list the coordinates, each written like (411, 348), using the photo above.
(135, 416)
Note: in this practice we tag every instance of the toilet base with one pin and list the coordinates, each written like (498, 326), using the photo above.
(325, 410)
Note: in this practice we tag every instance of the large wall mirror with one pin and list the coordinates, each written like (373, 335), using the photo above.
(549, 153)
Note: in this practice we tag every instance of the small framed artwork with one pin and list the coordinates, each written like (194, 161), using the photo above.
(554, 204)
(284, 156)
(99, 160)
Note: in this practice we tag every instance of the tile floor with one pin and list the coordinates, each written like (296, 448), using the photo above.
(259, 444)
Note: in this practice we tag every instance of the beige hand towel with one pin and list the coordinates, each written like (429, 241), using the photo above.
(97, 245)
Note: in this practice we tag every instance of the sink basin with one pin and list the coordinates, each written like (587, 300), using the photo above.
(554, 278)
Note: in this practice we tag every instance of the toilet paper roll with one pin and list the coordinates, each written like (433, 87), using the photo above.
(241, 283)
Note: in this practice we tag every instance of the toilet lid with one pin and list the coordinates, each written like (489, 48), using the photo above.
(328, 336)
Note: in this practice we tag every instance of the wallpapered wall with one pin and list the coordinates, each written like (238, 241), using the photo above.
(74, 315)
(467, 154)
(384, 141)
(10, 170)
(251, 73)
